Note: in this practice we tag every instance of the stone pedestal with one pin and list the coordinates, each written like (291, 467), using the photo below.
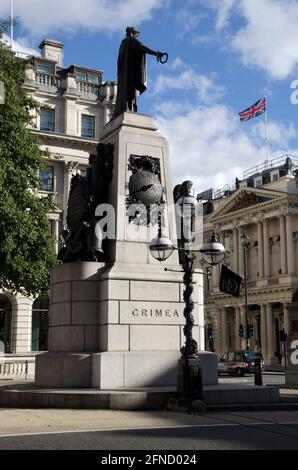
(106, 333)
(119, 324)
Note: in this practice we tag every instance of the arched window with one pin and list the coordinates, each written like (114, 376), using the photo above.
(5, 323)
(40, 324)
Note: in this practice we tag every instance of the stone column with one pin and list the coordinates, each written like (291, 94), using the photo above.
(263, 330)
(70, 116)
(57, 232)
(270, 344)
(215, 276)
(260, 250)
(217, 267)
(283, 245)
(218, 333)
(243, 322)
(235, 250)
(266, 249)
(21, 325)
(237, 325)
(68, 172)
(223, 330)
(241, 254)
(290, 246)
(286, 318)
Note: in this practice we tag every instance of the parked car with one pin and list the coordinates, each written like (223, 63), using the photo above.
(239, 362)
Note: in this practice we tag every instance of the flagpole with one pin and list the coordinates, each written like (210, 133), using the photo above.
(266, 133)
(11, 24)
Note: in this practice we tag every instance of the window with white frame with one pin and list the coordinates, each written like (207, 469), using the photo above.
(81, 76)
(46, 179)
(258, 181)
(92, 78)
(88, 126)
(44, 68)
(47, 119)
(40, 324)
(274, 175)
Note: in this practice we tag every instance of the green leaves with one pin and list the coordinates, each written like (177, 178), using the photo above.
(26, 244)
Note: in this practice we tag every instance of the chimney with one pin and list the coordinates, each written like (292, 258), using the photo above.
(52, 50)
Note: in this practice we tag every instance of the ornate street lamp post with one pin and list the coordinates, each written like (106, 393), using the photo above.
(189, 372)
(245, 243)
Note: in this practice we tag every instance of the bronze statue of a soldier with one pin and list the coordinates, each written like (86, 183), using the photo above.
(131, 71)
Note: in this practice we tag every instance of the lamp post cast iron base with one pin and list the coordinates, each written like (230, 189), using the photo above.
(189, 383)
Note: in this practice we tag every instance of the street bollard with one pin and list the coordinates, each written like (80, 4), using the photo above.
(258, 372)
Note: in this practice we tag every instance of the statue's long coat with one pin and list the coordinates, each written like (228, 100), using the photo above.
(132, 73)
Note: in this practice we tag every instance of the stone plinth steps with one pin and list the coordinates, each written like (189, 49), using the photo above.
(29, 396)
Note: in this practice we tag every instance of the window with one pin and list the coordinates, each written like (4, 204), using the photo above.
(88, 126)
(5, 324)
(40, 324)
(93, 78)
(44, 68)
(258, 182)
(47, 120)
(274, 175)
(81, 76)
(83, 172)
(46, 179)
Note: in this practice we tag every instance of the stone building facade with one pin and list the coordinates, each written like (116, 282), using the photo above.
(264, 207)
(75, 106)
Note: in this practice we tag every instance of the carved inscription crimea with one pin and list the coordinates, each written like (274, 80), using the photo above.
(152, 313)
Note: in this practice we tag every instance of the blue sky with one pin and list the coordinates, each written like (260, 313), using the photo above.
(223, 56)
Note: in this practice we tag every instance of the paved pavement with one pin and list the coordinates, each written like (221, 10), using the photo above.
(110, 430)
(154, 430)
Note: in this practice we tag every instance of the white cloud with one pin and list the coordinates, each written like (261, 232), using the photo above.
(181, 77)
(41, 17)
(278, 134)
(268, 39)
(210, 146)
(187, 20)
(21, 46)
(224, 11)
(208, 143)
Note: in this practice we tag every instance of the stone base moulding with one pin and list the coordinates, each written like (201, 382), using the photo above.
(117, 370)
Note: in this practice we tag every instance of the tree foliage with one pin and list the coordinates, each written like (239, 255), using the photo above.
(26, 244)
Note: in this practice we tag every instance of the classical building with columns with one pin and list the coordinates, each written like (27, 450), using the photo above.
(264, 207)
(75, 106)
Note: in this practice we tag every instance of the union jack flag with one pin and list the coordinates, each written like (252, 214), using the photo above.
(255, 110)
